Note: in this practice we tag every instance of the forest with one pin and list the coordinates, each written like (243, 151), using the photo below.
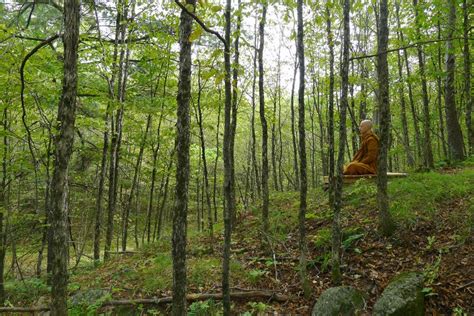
(189, 157)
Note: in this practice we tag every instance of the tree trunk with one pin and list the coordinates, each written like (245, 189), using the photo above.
(302, 150)
(134, 184)
(252, 120)
(229, 195)
(405, 133)
(427, 147)
(293, 128)
(331, 105)
(263, 120)
(467, 76)
(3, 203)
(100, 190)
(203, 157)
(116, 123)
(63, 150)
(214, 195)
(182, 165)
(336, 229)
(455, 139)
(439, 97)
(386, 224)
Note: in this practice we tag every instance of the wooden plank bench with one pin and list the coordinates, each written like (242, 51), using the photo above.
(349, 179)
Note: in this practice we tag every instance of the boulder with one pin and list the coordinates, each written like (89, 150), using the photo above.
(402, 296)
(339, 301)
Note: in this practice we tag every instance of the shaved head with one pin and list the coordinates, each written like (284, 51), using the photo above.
(365, 126)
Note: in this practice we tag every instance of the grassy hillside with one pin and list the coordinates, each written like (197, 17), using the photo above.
(435, 216)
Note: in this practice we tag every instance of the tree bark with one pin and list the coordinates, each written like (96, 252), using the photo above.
(455, 139)
(263, 120)
(134, 184)
(229, 195)
(406, 138)
(100, 190)
(252, 119)
(63, 150)
(336, 230)
(386, 223)
(116, 122)
(331, 106)
(182, 165)
(4, 202)
(210, 222)
(467, 76)
(427, 147)
(302, 151)
(293, 128)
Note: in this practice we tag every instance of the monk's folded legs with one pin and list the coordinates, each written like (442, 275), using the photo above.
(358, 168)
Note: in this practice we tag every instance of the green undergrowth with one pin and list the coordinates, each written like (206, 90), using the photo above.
(417, 196)
(148, 273)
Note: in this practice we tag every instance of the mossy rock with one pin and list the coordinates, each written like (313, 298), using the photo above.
(402, 296)
(339, 301)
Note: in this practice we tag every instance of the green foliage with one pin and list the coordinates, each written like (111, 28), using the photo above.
(157, 276)
(256, 275)
(27, 290)
(257, 308)
(205, 308)
(87, 302)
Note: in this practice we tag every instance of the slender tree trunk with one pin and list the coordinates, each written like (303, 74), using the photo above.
(116, 122)
(214, 195)
(302, 151)
(405, 133)
(100, 191)
(235, 90)
(182, 166)
(3, 202)
(274, 140)
(229, 195)
(467, 76)
(331, 105)
(293, 128)
(455, 139)
(63, 150)
(252, 120)
(439, 98)
(153, 173)
(203, 157)
(134, 184)
(336, 230)
(427, 147)
(263, 120)
(386, 223)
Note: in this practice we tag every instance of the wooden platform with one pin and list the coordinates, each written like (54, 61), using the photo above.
(371, 177)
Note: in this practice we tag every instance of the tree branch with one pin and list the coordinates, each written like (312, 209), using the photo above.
(22, 90)
(208, 30)
(405, 47)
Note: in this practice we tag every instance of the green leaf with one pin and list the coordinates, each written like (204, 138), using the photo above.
(196, 34)
(216, 8)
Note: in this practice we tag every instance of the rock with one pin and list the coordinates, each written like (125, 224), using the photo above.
(89, 297)
(402, 296)
(341, 300)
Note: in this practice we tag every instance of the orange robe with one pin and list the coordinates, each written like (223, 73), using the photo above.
(365, 160)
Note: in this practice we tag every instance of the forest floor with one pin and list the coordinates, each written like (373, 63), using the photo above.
(435, 216)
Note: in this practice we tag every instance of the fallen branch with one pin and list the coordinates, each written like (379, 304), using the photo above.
(253, 294)
(201, 297)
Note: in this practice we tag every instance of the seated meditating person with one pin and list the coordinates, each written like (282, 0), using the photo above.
(365, 160)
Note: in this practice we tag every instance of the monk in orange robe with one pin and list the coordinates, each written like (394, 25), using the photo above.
(365, 160)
